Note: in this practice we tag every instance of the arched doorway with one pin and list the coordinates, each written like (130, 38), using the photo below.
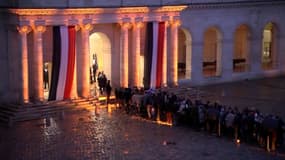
(212, 64)
(269, 54)
(241, 49)
(184, 54)
(100, 53)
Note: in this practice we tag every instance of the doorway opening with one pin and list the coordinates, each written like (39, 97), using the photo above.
(184, 54)
(100, 58)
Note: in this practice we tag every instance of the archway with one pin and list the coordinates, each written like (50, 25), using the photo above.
(212, 64)
(100, 53)
(241, 49)
(184, 54)
(269, 54)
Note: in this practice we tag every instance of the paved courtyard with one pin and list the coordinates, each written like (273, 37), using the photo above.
(267, 95)
(104, 133)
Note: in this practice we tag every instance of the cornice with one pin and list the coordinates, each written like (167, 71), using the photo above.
(235, 4)
(85, 11)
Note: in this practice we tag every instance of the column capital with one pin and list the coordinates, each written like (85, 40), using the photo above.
(138, 24)
(86, 27)
(175, 23)
(126, 25)
(39, 28)
(77, 27)
(167, 23)
(24, 29)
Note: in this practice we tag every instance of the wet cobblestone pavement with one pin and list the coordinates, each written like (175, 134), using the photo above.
(99, 135)
(84, 135)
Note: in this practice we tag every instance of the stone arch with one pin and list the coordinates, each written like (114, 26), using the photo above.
(241, 48)
(269, 53)
(100, 47)
(184, 54)
(212, 52)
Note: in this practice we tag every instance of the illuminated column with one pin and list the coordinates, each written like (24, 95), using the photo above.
(124, 71)
(173, 55)
(38, 63)
(136, 54)
(164, 60)
(24, 30)
(83, 60)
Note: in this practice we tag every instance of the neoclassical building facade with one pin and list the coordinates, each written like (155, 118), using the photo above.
(204, 42)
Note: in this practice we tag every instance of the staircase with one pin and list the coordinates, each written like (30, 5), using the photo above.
(11, 113)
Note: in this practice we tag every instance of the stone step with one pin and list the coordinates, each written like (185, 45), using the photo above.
(17, 113)
(9, 108)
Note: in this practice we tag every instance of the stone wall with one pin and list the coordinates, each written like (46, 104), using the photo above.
(227, 20)
(3, 60)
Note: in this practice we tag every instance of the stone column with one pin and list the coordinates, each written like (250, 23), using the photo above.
(83, 62)
(124, 70)
(24, 30)
(38, 63)
(164, 58)
(136, 38)
(173, 55)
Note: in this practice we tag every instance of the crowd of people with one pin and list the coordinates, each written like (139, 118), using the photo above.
(248, 125)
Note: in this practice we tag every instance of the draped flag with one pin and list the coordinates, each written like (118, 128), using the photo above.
(153, 63)
(63, 62)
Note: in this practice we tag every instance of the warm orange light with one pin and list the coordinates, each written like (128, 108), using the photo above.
(170, 8)
(24, 29)
(164, 123)
(138, 24)
(86, 27)
(133, 10)
(238, 141)
(126, 25)
(38, 12)
(176, 23)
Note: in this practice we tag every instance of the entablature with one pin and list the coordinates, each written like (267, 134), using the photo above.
(79, 16)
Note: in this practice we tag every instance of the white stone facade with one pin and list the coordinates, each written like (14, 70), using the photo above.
(220, 19)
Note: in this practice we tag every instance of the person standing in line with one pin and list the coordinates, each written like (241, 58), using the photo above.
(46, 77)
(108, 91)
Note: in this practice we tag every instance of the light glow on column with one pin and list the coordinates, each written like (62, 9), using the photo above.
(174, 51)
(24, 30)
(124, 71)
(136, 53)
(38, 63)
(85, 72)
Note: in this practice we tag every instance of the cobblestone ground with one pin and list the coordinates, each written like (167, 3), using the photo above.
(101, 134)
(85, 135)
